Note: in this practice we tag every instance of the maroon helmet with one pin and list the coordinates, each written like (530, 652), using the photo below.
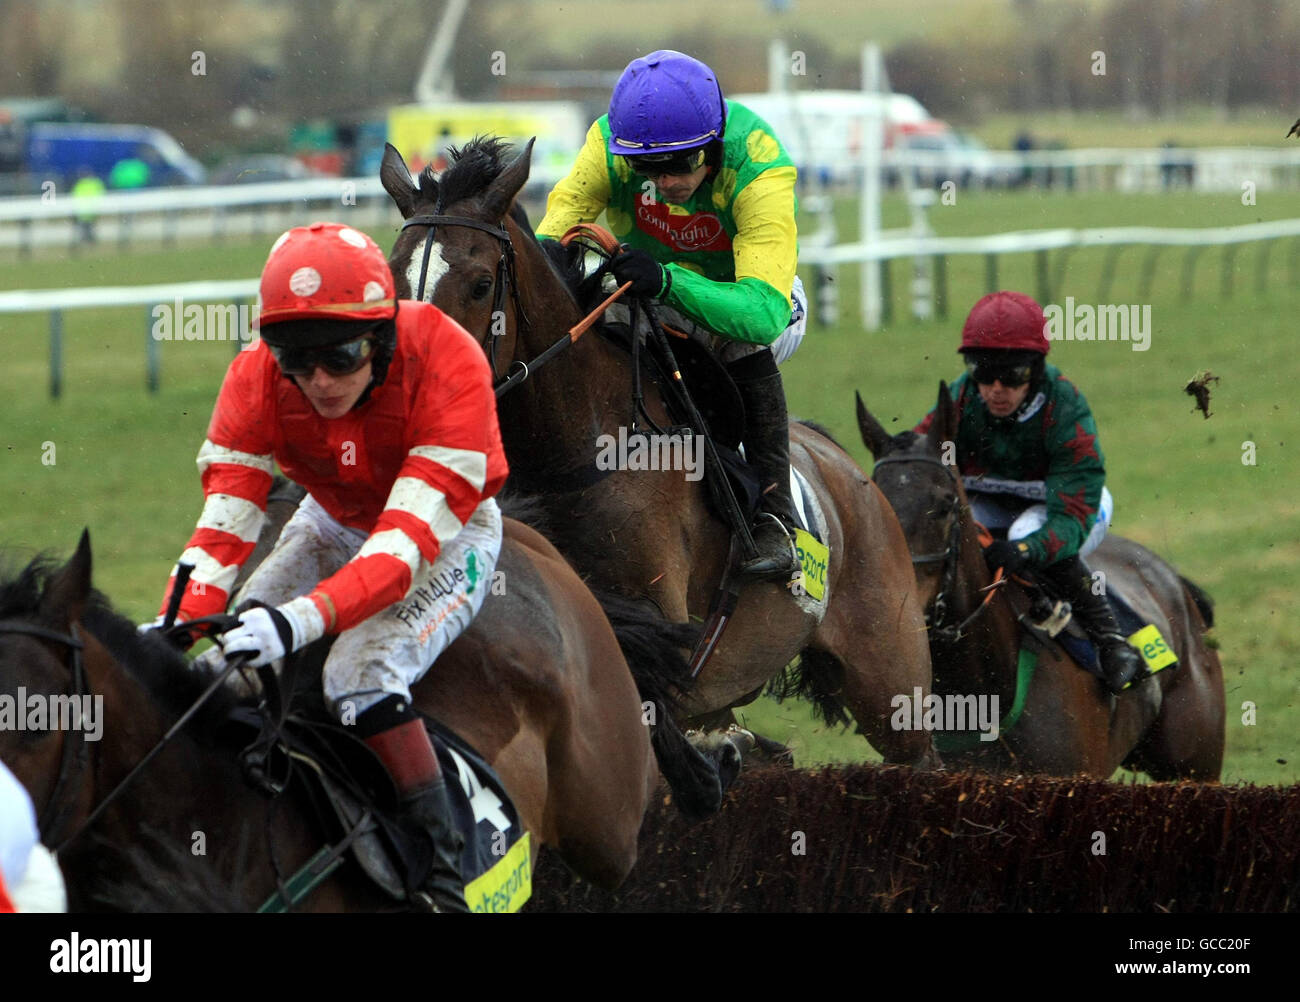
(1005, 320)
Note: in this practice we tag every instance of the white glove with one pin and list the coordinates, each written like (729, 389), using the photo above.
(270, 634)
(144, 628)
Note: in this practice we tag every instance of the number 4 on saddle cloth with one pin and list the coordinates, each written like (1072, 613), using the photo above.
(356, 803)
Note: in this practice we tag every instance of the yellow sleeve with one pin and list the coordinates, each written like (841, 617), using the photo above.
(582, 195)
(766, 245)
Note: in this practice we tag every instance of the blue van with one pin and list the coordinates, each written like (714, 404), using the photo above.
(59, 151)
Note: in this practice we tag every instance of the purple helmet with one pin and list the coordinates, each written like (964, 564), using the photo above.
(665, 102)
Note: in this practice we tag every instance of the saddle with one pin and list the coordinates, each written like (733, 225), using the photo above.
(355, 803)
(1045, 615)
(717, 400)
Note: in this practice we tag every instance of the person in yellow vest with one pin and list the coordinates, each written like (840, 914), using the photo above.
(86, 192)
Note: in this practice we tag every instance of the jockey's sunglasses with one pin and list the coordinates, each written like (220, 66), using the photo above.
(1009, 374)
(336, 359)
(656, 164)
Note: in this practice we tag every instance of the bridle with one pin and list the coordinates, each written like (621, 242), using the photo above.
(72, 760)
(949, 557)
(506, 282)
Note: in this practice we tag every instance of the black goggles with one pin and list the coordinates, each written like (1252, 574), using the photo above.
(1008, 373)
(336, 359)
(655, 164)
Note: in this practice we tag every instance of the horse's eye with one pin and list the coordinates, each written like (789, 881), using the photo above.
(481, 288)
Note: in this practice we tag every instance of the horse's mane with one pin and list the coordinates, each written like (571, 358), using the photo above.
(472, 168)
(159, 667)
(823, 431)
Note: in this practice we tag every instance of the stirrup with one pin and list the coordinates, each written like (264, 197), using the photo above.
(754, 567)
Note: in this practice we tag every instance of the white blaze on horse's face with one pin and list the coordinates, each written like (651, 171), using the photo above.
(437, 268)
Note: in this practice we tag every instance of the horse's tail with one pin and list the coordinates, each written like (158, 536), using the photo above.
(818, 678)
(1204, 604)
(653, 648)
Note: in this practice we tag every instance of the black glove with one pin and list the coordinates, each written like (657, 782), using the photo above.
(648, 276)
(1011, 557)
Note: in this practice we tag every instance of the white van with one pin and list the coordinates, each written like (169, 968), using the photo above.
(823, 129)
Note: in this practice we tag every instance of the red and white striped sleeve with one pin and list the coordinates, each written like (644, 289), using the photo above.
(235, 465)
(455, 462)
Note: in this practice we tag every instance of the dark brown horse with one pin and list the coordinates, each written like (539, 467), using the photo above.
(538, 685)
(650, 534)
(1170, 726)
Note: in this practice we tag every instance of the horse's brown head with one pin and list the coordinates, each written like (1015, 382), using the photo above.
(457, 248)
(918, 476)
(39, 647)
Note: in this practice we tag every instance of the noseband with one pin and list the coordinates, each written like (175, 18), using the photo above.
(506, 282)
(72, 761)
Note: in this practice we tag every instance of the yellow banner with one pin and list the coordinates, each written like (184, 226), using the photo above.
(816, 559)
(1151, 645)
(507, 886)
(421, 134)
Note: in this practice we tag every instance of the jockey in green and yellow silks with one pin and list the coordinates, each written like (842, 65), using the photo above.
(702, 195)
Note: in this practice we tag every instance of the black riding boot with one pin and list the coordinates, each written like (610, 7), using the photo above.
(429, 809)
(1120, 662)
(394, 733)
(767, 448)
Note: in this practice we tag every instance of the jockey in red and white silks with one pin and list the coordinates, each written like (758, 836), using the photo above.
(400, 518)
(388, 419)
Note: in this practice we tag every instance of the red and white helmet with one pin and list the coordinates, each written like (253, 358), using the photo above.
(1007, 321)
(329, 272)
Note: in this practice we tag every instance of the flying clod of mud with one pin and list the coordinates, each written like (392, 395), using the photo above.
(886, 839)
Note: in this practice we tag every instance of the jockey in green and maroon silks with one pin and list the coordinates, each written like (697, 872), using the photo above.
(1029, 457)
(702, 196)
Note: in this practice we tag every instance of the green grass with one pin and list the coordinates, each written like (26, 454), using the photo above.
(124, 458)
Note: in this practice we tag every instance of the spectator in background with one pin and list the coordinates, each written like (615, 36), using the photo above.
(129, 174)
(86, 192)
(1024, 143)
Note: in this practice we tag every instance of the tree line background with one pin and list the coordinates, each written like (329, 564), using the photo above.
(285, 61)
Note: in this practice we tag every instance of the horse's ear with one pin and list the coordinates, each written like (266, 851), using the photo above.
(944, 426)
(879, 441)
(502, 191)
(396, 179)
(68, 589)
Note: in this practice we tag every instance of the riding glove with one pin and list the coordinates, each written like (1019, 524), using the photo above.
(648, 276)
(1010, 556)
(271, 634)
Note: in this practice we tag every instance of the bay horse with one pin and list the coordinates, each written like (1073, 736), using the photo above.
(651, 535)
(1170, 725)
(537, 685)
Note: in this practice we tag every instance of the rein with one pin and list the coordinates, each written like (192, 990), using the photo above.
(950, 560)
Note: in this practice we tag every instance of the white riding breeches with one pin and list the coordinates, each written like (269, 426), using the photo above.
(390, 651)
(1005, 511)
